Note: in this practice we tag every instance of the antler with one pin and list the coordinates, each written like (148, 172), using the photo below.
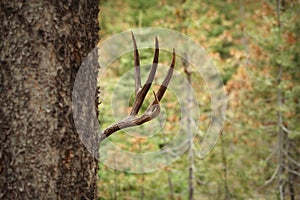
(140, 93)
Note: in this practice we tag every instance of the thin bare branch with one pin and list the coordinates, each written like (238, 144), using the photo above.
(292, 160)
(272, 177)
(285, 129)
(292, 170)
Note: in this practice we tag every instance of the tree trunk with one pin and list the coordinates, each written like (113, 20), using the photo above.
(42, 46)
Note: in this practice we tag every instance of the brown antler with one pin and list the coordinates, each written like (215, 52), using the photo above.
(140, 93)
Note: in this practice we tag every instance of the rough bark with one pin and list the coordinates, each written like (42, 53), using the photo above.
(42, 46)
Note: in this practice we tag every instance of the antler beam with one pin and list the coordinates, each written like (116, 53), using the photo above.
(140, 93)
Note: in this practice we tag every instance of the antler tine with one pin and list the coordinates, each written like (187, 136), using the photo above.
(154, 65)
(163, 87)
(137, 74)
(139, 99)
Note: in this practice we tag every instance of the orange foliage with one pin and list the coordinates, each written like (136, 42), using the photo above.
(257, 53)
(202, 117)
(173, 118)
(239, 81)
(290, 38)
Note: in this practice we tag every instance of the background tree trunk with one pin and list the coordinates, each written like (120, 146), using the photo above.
(42, 46)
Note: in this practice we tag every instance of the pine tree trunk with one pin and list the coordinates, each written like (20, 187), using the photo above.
(42, 46)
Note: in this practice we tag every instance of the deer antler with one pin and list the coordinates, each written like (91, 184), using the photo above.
(140, 93)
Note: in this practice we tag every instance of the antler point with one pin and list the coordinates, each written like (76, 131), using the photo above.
(156, 43)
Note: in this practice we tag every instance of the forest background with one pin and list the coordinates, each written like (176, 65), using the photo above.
(255, 45)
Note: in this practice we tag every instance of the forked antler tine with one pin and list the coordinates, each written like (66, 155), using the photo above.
(156, 101)
(153, 110)
(163, 87)
(137, 74)
(140, 96)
